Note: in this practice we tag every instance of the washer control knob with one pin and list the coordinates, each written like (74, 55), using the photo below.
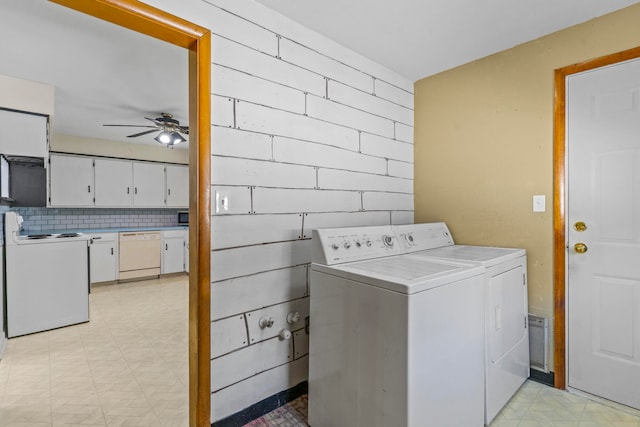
(368, 243)
(265, 322)
(347, 245)
(293, 317)
(358, 244)
(284, 334)
(335, 246)
(387, 240)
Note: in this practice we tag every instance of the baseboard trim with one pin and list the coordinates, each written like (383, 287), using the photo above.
(546, 378)
(263, 407)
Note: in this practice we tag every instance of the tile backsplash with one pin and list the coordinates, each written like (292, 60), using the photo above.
(43, 219)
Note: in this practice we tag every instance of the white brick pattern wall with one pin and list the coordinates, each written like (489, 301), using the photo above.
(305, 134)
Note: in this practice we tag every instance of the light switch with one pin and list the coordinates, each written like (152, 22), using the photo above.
(222, 202)
(539, 203)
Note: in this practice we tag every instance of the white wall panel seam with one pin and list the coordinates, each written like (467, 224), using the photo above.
(257, 244)
(329, 99)
(261, 271)
(393, 122)
(303, 140)
(308, 69)
(251, 376)
(307, 165)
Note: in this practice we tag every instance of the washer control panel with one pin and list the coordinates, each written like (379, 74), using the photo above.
(338, 245)
(420, 237)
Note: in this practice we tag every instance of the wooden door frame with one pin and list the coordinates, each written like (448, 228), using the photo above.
(559, 202)
(156, 23)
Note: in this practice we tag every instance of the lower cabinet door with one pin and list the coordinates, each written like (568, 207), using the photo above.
(172, 255)
(103, 256)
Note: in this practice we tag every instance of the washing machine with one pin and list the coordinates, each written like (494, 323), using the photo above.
(395, 339)
(507, 334)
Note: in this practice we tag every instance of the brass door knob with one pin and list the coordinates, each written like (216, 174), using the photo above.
(580, 248)
(580, 226)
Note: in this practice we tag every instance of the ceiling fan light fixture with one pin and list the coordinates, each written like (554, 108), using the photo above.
(169, 138)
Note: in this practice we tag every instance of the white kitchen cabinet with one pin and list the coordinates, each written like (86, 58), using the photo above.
(113, 182)
(177, 186)
(148, 185)
(172, 251)
(71, 182)
(103, 257)
(186, 249)
(24, 134)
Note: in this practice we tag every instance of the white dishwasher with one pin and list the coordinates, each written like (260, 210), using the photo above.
(140, 254)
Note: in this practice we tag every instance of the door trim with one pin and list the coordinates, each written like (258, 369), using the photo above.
(156, 23)
(559, 203)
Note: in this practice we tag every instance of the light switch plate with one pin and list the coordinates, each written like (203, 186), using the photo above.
(539, 203)
(222, 202)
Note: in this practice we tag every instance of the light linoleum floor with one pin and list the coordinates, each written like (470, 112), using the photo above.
(127, 366)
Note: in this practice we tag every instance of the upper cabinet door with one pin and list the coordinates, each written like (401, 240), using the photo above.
(177, 186)
(71, 181)
(114, 183)
(24, 134)
(148, 185)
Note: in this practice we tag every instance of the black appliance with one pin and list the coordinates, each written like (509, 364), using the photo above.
(23, 181)
(183, 217)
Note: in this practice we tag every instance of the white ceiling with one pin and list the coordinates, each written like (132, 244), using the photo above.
(102, 73)
(419, 38)
(106, 74)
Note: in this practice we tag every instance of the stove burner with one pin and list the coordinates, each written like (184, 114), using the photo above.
(38, 236)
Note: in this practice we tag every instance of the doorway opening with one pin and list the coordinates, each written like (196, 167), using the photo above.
(156, 23)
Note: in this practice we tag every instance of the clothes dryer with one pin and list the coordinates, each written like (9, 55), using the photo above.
(395, 339)
(506, 314)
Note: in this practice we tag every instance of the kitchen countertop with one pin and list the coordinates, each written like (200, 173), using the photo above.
(107, 230)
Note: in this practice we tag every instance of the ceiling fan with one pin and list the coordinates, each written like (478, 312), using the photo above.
(170, 129)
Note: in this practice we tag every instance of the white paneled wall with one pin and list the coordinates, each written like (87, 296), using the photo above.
(306, 134)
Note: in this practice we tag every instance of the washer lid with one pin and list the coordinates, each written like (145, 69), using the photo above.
(403, 273)
(486, 255)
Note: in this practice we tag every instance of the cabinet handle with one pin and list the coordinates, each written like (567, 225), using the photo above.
(127, 190)
(135, 190)
(168, 191)
(88, 189)
(166, 246)
(111, 251)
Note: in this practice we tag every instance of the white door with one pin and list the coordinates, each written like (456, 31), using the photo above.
(603, 147)
(103, 254)
(173, 254)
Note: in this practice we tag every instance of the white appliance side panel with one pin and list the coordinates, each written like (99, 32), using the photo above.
(507, 333)
(358, 354)
(241, 395)
(53, 295)
(446, 360)
(242, 294)
(245, 363)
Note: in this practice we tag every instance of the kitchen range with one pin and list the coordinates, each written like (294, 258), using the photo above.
(47, 279)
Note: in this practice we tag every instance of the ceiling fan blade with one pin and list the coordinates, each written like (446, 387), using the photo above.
(154, 121)
(134, 126)
(184, 129)
(142, 133)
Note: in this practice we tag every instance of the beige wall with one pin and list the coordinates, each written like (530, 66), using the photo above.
(484, 142)
(102, 147)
